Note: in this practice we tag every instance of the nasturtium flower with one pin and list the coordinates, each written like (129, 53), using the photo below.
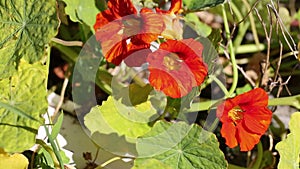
(245, 118)
(176, 67)
(121, 30)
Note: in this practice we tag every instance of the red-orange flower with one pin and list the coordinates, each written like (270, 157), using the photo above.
(176, 67)
(122, 31)
(245, 118)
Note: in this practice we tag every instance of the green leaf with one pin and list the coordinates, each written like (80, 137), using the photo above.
(215, 37)
(176, 107)
(195, 5)
(209, 54)
(243, 89)
(181, 146)
(82, 11)
(193, 21)
(149, 164)
(57, 126)
(25, 28)
(25, 91)
(115, 117)
(133, 94)
(289, 149)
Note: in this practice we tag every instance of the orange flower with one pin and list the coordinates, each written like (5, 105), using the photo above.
(176, 67)
(245, 118)
(122, 31)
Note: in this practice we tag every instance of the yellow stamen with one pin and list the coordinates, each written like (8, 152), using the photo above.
(172, 61)
(236, 114)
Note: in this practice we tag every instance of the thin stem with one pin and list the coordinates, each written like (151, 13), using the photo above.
(259, 156)
(220, 84)
(253, 24)
(55, 149)
(62, 96)
(67, 43)
(232, 55)
(108, 162)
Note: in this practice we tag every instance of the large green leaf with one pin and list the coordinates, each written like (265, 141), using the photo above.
(195, 5)
(181, 146)
(115, 117)
(149, 164)
(25, 28)
(83, 11)
(115, 126)
(289, 149)
(25, 94)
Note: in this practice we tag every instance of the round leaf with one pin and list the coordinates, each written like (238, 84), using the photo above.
(25, 28)
(179, 145)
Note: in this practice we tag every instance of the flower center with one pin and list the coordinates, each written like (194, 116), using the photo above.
(236, 114)
(172, 61)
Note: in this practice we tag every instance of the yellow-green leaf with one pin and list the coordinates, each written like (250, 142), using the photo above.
(24, 97)
(25, 28)
(289, 149)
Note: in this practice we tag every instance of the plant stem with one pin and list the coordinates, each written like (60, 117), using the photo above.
(259, 156)
(54, 147)
(220, 84)
(232, 55)
(108, 162)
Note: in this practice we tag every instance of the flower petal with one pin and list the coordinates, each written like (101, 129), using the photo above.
(246, 139)
(152, 26)
(162, 81)
(253, 98)
(137, 54)
(174, 9)
(228, 131)
(258, 120)
(117, 53)
(175, 6)
(120, 8)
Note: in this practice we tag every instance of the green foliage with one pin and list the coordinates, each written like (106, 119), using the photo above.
(243, 89)
(289, 149)
(26, 91)
(149, 164)
(57, 126)
(193, 21)
(195, 5)
(133, 94)
(25, 28)
(83, 11)
(115, 117)
(179, 145)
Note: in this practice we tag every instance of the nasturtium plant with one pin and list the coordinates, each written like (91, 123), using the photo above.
(82, 11)
(22, 102)
(115, 117)
(194, 5)
(289, 149)
(25, 28)
(180, 145)
(150, 163)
